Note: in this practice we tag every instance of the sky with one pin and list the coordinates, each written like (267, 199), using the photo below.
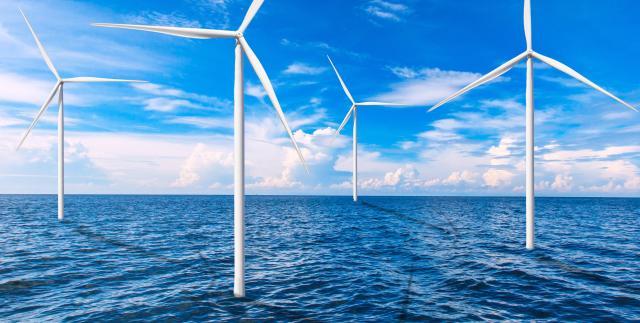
(174, 134)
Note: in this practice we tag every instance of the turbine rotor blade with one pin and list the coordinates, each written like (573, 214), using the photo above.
(527, 22)
(484, 79)
(43, 108)
(98, 80)
(569, 71)
(253, 9)
(344, 86)
(346, 119)
(266, 83)
(43, 52)
(381, 104)
(197, 33)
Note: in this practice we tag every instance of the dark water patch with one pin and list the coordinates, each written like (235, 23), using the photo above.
(586, 274)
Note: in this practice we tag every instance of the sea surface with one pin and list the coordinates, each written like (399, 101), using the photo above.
(318, 259)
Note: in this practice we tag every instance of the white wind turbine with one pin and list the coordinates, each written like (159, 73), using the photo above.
(241, 47)
(529, 54)
(58, 89)
(354, 110)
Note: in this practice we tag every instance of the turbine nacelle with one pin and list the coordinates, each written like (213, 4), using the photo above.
(529, 53)
(59, 83)
(200, 33)
(355, 104)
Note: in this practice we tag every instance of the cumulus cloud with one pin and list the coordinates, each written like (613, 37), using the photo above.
(458, 177)
(406, 176)
(497, 177)
(201, 160)
(561, 183)
(503, 149)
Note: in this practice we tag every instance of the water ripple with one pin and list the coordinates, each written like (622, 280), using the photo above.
(317, 259)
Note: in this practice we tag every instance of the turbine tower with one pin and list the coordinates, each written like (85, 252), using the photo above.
(529, 54)
(241, 47)
(58, 89)
(354, 110)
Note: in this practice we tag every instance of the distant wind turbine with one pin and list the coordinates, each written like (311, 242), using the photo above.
(58, 89)
(354, 110)
(241, 46)
(529, 54)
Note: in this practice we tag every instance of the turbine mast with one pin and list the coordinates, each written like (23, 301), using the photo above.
(238, 178)
(61, 153)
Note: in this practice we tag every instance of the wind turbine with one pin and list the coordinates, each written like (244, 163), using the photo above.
(529, 55)
(354, 110)
(241, 47)
(58, 89)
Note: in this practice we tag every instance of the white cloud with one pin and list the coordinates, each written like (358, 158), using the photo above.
(562, 183)
(297, 120)
(24, 89)
(203, 122)
(341, 186)
(166, 105)
(458, 177)
(624, 115)
(404, 72)
(202, 159)
(6, 121)
(439, 135)
(387, 10)
(503, 149)
(426, 86)
(167, 99)
(285, 180)
(304, 69)
(255, 90)
(405, 176)
(497, 177)
(590, 153)
(163, 19)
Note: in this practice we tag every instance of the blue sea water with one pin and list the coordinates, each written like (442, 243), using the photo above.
(385, 259)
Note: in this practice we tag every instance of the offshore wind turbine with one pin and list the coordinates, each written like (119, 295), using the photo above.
(241, 47)
(354, 111)
(529, 54)
(58, 89)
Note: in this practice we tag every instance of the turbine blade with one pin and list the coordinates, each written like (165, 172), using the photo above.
(266, 83)
(527, 22)
(197, 33)
(99, 80)
(382, 104)
(344, 86)
(43, 108)
(566, 69)
(46, 57)
(346, 119)
(484, 79)
(253, 9)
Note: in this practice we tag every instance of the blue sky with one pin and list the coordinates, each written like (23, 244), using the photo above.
(174, 134)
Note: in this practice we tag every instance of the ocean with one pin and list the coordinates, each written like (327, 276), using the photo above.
(318, 259)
